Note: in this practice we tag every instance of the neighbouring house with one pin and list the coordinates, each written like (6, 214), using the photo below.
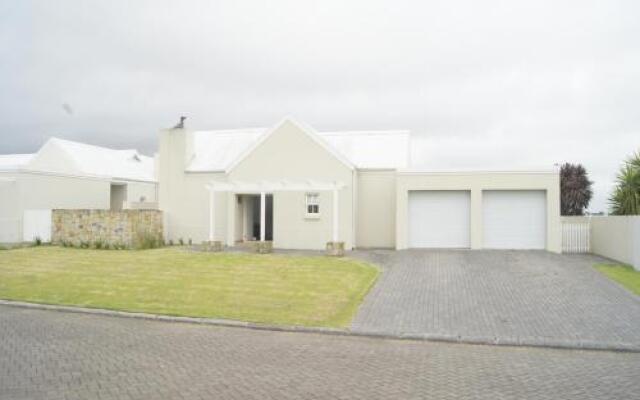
(70, 175)
(302, 189)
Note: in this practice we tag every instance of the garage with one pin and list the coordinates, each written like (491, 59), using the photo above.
(439, 218)
(514, 219)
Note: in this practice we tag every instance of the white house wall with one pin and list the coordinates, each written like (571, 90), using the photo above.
(137, 190)
(376, 209)
(289, 153)
(10, 220)
(33, 191)
(182, 196)
(476, 182)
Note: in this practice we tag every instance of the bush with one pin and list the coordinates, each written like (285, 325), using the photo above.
(37, 241)
(98, 244)
(181, 242)
(146, 240)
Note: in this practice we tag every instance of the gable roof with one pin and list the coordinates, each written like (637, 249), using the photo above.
(102, 161)
(221, 150)
(69, 157)
(12, 162)
(305, 129)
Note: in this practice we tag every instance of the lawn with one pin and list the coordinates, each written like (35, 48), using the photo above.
(274, 289)
(623, 274)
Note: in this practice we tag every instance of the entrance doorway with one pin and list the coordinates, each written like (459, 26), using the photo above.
(249, 204)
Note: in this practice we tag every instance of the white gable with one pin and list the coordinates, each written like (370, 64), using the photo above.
(65, 156)
(217, 150)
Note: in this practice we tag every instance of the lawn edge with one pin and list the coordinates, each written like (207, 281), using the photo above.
(614, 281)
(436, 338)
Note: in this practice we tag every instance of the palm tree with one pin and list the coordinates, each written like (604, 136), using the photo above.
(625, 199)
(575, 189)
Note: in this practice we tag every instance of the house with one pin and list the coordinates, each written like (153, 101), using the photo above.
(70, 175)
(301, 189)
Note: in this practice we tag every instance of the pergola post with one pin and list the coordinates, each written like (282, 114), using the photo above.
(263, 217)
(212, 222)
(335, 215)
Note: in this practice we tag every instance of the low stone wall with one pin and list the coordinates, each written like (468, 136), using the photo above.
(127, 228)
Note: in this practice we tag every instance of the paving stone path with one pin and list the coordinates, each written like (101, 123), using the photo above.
(517, 296)
(57, 355)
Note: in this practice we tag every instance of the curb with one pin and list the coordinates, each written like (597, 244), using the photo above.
(428, 337)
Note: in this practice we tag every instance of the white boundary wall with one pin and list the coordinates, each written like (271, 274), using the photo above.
(617, 237)
(36, 224)
(614, 237)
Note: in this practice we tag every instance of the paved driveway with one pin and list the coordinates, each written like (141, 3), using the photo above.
(526, 296)
(56, 355)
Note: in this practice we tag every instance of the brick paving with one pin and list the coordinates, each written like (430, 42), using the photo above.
(529, 296)
(58, 355)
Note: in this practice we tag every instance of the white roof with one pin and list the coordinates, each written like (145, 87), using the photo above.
(102, 161)
(217, 150)
(11, 162)
(68, 157)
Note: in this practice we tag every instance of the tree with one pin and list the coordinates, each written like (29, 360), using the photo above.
(575, 189)
(625, 199)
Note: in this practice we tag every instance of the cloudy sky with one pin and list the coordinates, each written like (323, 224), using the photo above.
(481, 84)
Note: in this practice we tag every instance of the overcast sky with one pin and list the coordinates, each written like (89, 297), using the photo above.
(481, 84)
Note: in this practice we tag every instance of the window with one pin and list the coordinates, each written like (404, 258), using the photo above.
(313, 204)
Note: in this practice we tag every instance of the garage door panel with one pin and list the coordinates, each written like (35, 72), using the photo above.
(514, 219)
(439, 218)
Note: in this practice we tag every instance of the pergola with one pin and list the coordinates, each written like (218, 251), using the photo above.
(262, 188)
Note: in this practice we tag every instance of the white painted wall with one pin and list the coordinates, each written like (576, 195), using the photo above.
(290, 154)
(617, 237)
(10, 218)
(37, 190)
(376, 209)
(183, 197)
(36, 224)
(476, 182)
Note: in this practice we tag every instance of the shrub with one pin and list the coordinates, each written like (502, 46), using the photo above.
(85, 245)
(98, 244)
(181, 242)
(146, 240)
(625, 199)
(37, 241)
(171, 242)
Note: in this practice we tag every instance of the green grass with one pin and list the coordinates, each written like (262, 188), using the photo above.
(623, 274)
(274, 289)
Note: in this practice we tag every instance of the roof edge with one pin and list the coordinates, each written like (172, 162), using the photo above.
(305, 128)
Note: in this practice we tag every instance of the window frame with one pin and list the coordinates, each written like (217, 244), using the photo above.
(312, 204)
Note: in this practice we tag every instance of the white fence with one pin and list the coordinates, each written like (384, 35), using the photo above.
(614, 237)
(576, 236)
(36, 224)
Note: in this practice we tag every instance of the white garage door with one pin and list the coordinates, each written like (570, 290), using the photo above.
(439, 218)
(514, 219)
